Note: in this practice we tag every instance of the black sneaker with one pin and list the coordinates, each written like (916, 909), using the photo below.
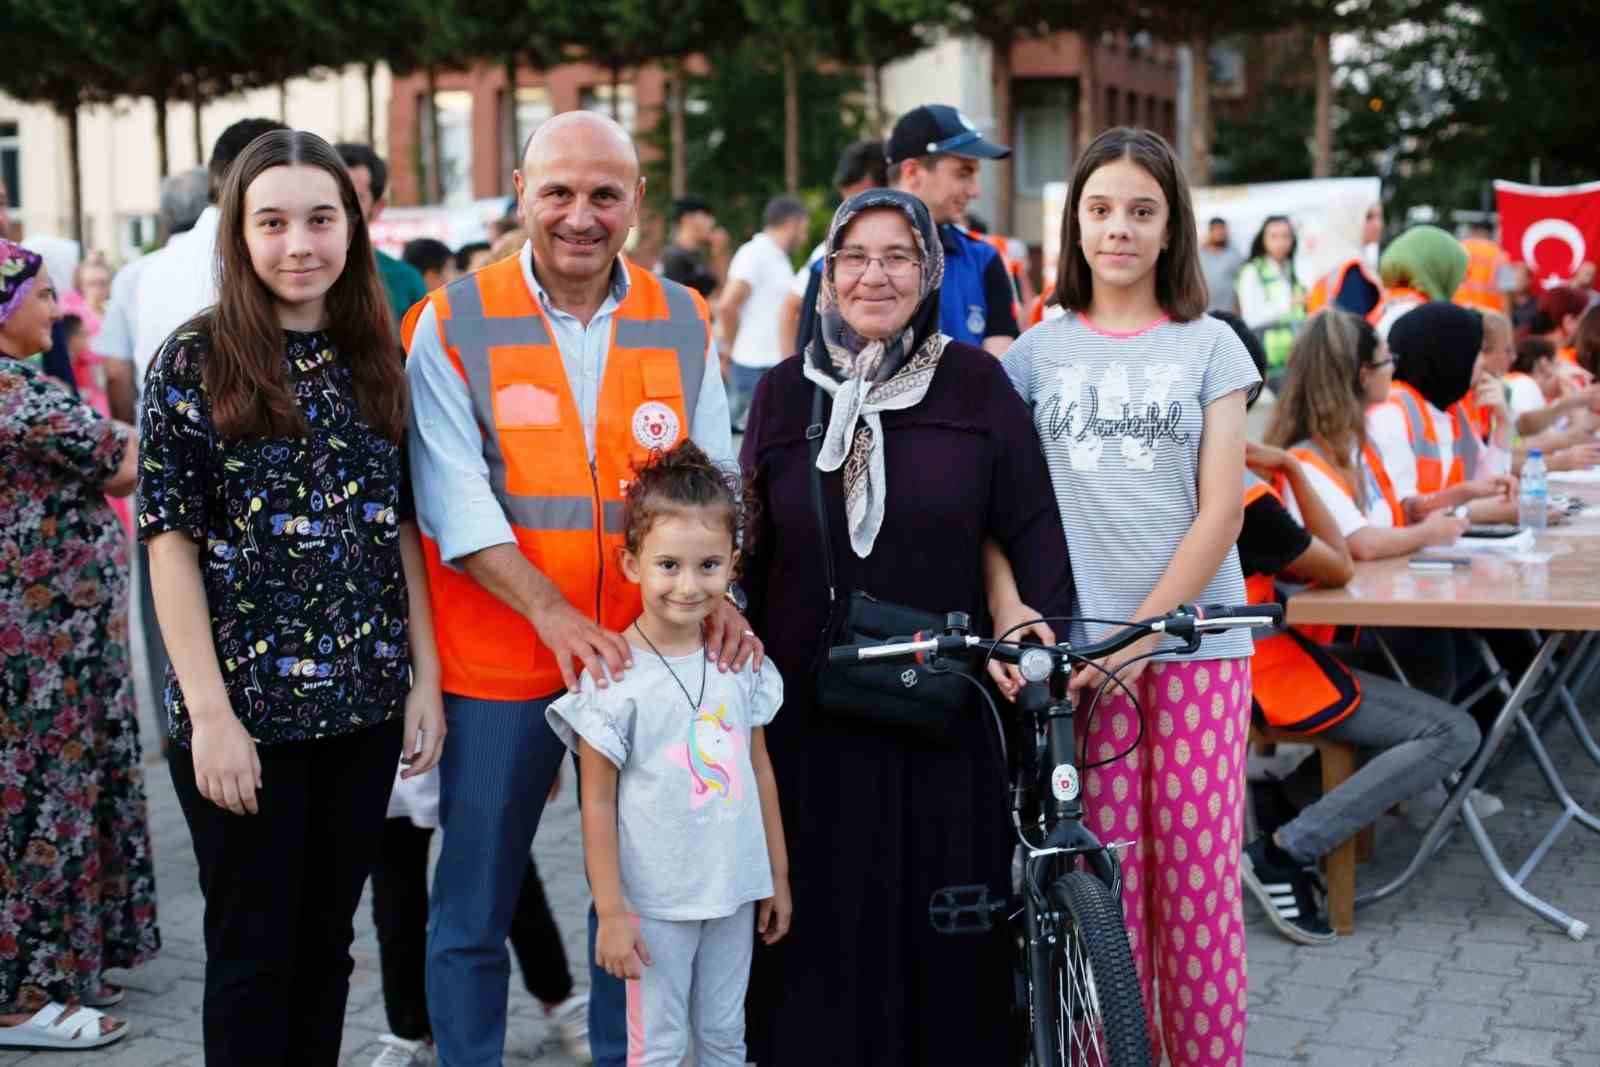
(1286, 891)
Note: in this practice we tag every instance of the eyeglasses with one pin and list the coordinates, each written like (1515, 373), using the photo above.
(852, 263)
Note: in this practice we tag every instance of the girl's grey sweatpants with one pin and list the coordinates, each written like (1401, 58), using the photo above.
(692, 993)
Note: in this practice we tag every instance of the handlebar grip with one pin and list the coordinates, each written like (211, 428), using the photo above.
(843, 655)
(1218, 612)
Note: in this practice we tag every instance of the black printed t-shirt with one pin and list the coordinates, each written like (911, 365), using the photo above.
(299, 541)
(1270, 539)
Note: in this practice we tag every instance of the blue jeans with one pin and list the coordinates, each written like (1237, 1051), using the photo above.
(498, 765)
(742, 382)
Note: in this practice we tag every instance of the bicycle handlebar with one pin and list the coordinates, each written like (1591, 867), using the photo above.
(1187, 622)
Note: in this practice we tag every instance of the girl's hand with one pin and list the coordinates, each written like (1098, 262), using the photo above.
(1121, 665)
(1575, 458)
(227, 768)
(424, 736)
(1442, 528)
(1005, 675)
(1496, 486)
(619, 948)
(776, 912)
(1490, 395)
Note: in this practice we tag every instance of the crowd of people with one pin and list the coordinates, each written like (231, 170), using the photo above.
(414, 531)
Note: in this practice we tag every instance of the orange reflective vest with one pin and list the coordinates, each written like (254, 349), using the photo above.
(1373, 472)
(1295, 684)
(1479, 418)
(565, 510)
(1484, 260)
(1330, 284)
(1568, 354)
(1435, 471)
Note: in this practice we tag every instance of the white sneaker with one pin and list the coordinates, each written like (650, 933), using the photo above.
(398, 1052)
(570, 1019)
(1420, 810)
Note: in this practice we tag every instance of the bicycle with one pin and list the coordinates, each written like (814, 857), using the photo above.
(1077, 988)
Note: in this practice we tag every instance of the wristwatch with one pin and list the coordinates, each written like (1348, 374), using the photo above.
(737, 598)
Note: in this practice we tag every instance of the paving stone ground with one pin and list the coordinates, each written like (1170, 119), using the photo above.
(1447, 974)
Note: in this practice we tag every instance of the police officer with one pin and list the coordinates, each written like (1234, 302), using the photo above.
(934, 153)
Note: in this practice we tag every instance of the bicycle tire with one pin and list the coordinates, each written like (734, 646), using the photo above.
(1090, 974)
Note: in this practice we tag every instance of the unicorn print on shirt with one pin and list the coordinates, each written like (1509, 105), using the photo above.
(711, 756)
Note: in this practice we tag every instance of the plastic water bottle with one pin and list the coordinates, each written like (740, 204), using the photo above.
(1533, 495)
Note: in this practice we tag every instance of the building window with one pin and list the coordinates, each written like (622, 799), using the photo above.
(1113, 111)
(454, 110)
(1169, 119)
(1227, 70)
(533, 107)
(1042, 134)
(598, 98)
(1150, 120)
(11, 162)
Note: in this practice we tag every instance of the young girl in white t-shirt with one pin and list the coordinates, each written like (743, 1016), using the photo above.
(1139, 400)
(681, 830)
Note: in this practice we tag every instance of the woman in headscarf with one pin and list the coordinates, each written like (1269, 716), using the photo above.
(1421, 265)
(77, 891)
(926, 453)
(1422, 432)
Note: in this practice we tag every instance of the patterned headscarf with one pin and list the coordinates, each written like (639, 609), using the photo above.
(19, 269)
(869, 376)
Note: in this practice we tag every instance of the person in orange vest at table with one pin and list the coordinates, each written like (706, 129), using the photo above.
(1422, 432)
(1489, 275)
(1413, 740)
(1353, 285)
(1421, 265)
(1549, 412)
(539, 384)
(1340, 367)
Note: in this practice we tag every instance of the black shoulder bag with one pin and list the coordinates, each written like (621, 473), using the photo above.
(913, 700)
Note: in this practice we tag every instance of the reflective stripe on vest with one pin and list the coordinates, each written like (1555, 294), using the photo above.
(1374, 477)
(563, 502)
(1433, 473)
(472, 333)
(1468, 449)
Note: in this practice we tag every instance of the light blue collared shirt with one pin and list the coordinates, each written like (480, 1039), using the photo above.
(456, 505)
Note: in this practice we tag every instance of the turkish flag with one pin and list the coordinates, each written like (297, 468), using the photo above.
(1553, 229)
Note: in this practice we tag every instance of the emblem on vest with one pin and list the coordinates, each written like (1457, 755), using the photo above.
(976, 318)
(655, 425)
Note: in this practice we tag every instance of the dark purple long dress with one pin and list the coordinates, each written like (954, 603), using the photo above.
(876, 824)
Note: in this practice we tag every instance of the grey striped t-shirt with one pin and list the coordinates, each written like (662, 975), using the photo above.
(1119, 416)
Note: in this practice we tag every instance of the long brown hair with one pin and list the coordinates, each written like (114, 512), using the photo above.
(244, 368)
(1322, 399)
(1180, 284)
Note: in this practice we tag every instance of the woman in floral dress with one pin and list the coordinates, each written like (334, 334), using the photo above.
(77, 892)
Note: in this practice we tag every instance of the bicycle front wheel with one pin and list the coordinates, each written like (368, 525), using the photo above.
(1088, 1011)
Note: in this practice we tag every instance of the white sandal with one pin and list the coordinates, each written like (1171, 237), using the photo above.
(104, 999)
(48, 1030)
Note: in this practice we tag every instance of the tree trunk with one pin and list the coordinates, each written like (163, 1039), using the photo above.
(791, 121)
(675, 131)
(616, 93)
(1088, 95)
(197, 100)
(1004, 187)
(1322, 149)
(1200, 132)
(369, 75)
(513, 132)
(435, 185)
(283, 102)
(69, 114)
(878, 103)
(163, 166)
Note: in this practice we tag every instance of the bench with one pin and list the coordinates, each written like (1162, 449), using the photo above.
(1339, 762)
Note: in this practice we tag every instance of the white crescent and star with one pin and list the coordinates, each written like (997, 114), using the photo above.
(1556, 230)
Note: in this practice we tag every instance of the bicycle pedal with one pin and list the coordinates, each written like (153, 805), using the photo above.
(963, 909)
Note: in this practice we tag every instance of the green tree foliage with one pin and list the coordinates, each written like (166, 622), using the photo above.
(734, 151)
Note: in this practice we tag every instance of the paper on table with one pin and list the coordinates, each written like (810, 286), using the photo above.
(1585, 477)
(1519, 542)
